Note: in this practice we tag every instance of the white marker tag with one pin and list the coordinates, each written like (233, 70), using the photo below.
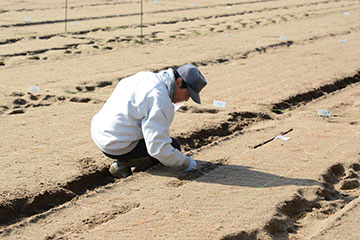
(283, 37)
(228, 7)
(34, 89)
(76, 24)
(28, 19)
(346, 13)
(324, 113)
(156, 1)
(229, 35)
(192, 4)
(342, 41)
(281, 137)
(219, 104)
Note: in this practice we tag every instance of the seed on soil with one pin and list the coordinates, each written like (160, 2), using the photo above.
(17, 94)
(349, 184)
(355, 166)
(20, 101)
(79, 88)
(33, 97)
(17, 111)
(104, 84)
(61, 98)
(34, 58)
(90, 88)
(82, 100)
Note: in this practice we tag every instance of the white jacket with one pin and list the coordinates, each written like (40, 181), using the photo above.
(139, 107)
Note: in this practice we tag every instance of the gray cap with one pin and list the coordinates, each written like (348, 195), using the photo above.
(194, 80)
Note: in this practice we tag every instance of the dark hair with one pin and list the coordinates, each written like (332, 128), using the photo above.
(183, 83)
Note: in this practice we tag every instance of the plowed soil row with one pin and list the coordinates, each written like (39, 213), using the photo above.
(17, 208)
(110, 37)
(287, 181)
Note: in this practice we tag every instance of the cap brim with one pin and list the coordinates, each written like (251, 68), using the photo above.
(194, 95)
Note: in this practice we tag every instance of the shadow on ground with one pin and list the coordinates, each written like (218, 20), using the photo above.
(235, 175)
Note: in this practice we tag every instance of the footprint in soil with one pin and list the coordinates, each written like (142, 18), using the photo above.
(3, 109)
(87, 88)
(81, 100)
(24, 101)
(311, 205)
(340, 184)
(18, 103)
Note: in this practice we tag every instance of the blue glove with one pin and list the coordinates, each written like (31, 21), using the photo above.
(192, 165)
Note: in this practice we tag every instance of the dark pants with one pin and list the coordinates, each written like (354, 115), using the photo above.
(139, 156)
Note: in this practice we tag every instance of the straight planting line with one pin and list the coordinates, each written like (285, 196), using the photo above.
(128, 3)
(125, 15)
(166, 11)
(14, 40)
(60, 8)
(40, 51)
(303, 98)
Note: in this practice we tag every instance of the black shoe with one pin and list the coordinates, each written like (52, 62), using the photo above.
(120, 169)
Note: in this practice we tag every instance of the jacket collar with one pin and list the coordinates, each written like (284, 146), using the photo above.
(168, 77)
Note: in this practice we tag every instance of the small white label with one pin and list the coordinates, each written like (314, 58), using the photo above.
(156, 1)
(219, 104)
(283, 37)
(34, 89)
(342, 41)
(229, 35)
(76, 24)
(28, 19)
(346, 13)
(281, 137)
(228, 7)
(324, 113)
(192, 4)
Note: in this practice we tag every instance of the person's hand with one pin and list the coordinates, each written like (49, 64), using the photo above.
(192, 165)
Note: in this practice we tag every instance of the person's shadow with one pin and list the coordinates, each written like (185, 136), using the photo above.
(230, 175)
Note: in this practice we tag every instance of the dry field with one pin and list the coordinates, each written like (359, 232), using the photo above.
(274, 62)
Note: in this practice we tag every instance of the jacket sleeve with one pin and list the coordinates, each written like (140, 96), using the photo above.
(155, 128)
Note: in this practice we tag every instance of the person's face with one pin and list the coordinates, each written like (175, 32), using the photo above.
(181, 94)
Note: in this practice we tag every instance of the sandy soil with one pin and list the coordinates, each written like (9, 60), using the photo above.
(275, 63)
